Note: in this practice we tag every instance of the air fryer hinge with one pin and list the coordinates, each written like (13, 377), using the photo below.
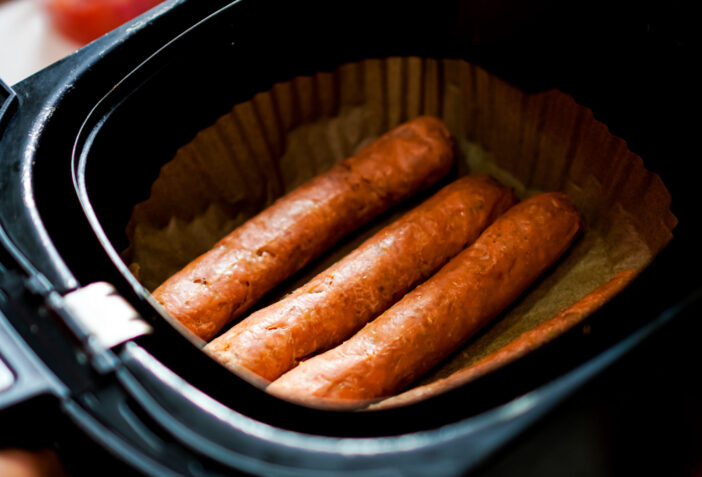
(109, 317)
(100, 318)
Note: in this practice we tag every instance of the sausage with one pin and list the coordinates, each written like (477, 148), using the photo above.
(340, 300)
(522, 345)
(223, 283)
(436, 317)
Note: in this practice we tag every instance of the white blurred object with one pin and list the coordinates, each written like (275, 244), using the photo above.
(28, 43)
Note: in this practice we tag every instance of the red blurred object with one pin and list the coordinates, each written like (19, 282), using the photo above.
(85, 20)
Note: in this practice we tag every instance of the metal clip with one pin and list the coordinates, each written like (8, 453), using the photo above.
(110, 318)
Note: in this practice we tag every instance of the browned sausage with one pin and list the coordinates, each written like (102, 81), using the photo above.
(525, 343)
(340, 300)
(440, 314)
(221, 284)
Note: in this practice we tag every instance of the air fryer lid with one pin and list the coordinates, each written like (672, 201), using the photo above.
(161, 381)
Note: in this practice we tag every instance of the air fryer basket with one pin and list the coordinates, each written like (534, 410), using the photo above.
(128, 112)
(148, 115)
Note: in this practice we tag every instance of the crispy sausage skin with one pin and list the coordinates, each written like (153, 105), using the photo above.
(528, 341)
(343, 298)
(221, 284)
(436, 317)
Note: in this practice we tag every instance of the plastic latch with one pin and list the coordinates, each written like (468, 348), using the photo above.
(8, 102)
(108, 316)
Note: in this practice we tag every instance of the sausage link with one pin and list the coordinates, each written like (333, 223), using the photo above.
(340, 300)
(522, 345)
(221, 284)
(436, 317)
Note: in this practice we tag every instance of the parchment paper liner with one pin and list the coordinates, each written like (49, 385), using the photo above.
(539, 142)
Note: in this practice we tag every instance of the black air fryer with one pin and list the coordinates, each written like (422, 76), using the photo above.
(89, 366)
